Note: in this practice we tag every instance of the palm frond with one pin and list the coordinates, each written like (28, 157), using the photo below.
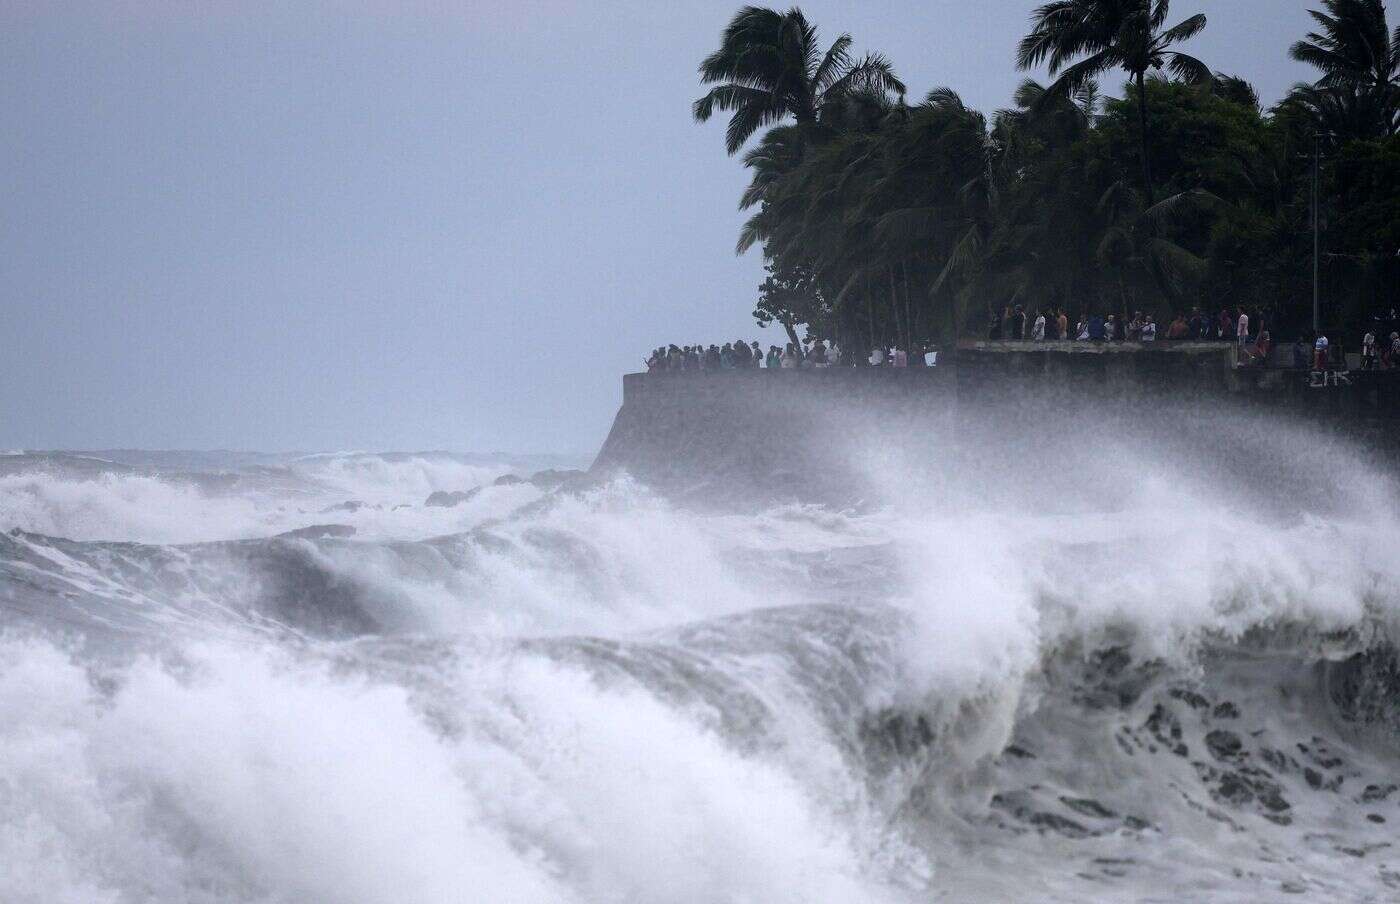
(1172, 210)
(963, 255)
(1189, 69)
(728, 97)
(834, 64)
(1184, 30)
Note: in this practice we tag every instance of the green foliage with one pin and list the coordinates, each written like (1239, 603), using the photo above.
(882, 222)
(770, 66)
(790, 295)
(1357, 96)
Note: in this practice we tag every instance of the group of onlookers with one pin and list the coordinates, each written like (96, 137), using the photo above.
(1053, 324)
(1375, 356)
(741, 355)
(1248, 330)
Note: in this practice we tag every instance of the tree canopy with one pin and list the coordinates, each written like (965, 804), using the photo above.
(885, 221)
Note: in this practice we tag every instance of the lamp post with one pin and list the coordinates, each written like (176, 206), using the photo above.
(1317, 237)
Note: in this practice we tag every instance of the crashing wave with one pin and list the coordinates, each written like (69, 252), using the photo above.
(975, 685)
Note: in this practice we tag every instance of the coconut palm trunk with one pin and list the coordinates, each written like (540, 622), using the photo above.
(908, 306)
(1146, 141)
(901, 330)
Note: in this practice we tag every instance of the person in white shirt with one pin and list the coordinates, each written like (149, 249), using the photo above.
(1038, 331)
(1242, 328)
(877, 357)
(1149, 329)
(1368, 351)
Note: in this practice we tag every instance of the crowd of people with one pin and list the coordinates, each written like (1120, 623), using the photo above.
(1053, 324)
(1247, 329)
(809, 353)
(1237, 325)
(740, 355)
(1375, 356)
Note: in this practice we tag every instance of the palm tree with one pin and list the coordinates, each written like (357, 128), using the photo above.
(941, 201)
(1055, 119)
(1342, 113)
(1236, 90)
(1360, 61)
(769, 66)
(1108, 34)
(1136, 243)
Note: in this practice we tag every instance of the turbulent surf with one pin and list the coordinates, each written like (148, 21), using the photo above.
(1134, 666)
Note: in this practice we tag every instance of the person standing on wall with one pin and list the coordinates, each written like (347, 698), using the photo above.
(1320, 352)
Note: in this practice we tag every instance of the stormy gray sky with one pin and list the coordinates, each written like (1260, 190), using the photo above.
(402, 225)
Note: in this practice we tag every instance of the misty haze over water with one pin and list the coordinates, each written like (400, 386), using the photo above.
(1155, 673)
(1010, 628)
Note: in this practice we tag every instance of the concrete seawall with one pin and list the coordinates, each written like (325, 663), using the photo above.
(697, 433)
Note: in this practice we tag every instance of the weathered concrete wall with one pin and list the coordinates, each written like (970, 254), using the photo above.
(1093, 369)
(709, 432)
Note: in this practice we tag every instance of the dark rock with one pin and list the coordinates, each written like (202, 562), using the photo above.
(1137, 823)
(1226, 710)
(1060, 824)
(351, 506)
(444, 499)
(1319, 754)
(507, 480)
(318, 532)
(1234, 789)
(1271, 796)
(1088, 807)
(1190, 698)
(1223, 744)
(1373, 793)
(1019, 753)
(1163, 725)
(1313, 776)
(1366, 687)
(1375, 817)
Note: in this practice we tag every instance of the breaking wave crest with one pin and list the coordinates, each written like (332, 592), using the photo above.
(1137, 676)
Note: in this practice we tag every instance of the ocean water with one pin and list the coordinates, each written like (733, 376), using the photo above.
(1137, 666)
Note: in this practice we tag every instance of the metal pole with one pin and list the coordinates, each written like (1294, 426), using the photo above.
(1317, 241)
